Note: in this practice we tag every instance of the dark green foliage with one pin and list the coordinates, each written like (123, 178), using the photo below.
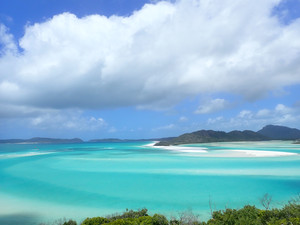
(246, 215)
(95, 221)
(128, 217)
(70, 222)
(288, 215)
(146, 220)
(132, 214)
(204, 136)
(158, 219)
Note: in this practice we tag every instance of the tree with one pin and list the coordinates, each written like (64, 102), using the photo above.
(266, 201)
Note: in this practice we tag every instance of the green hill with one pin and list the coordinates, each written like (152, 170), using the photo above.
(280, 132)
(204, 136)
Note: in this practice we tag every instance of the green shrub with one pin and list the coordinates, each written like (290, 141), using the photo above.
(145, 220)
(131, 214)
(158, 219)
(288, 215)
(70, 222)
(95, 221)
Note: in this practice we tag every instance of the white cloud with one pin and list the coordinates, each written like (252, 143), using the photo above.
(212, 106)
(112, 130)
(215, 120)
(156, 57)
(282, 109)
(245, 114)
(246, 119)
(72, 121)
(263, 113)
(183, 119)
(166, 127)
(7, 41)
(23, 111)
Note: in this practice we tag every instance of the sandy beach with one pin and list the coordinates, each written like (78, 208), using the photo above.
(203, 152)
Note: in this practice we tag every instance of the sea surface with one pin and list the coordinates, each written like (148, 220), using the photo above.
(41, 183)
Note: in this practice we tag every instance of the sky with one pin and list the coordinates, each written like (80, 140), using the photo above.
(135, 69)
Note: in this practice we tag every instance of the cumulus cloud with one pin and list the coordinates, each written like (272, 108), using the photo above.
(246, 119)
(6, 41)
(245, 114)
(166, 127)
(22, 111)
(183, 119)
(214, 120)
(263, 113)
(70, 121)
(212, 106)
(155, 57)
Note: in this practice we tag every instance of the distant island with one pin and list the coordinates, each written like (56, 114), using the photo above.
(42, 141)
(269, 132)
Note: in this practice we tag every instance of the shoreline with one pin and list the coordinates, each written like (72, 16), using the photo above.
(205, 152)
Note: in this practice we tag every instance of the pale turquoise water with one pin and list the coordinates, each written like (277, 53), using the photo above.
(40, 183)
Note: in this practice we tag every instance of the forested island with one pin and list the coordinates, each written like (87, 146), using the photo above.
(42, 140)
(270, 132)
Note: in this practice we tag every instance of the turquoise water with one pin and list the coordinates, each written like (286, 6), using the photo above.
(41, 182)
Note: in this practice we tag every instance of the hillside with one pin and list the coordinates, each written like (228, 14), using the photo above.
(269, 132)
(280, 132)
(204, 136)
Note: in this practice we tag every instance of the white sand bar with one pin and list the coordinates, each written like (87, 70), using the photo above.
(178, 148)
(204, 152)
(256, 153)
(28, 154)
(183, 149)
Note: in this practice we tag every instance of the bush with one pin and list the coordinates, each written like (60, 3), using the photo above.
(158, 219)
(288, 215)
(95, 221)
(70, 222)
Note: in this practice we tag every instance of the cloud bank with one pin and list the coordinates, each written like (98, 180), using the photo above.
(249, 119)
(153, 58)
(212, 106)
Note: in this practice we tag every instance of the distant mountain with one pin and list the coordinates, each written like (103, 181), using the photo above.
(40, 140)
(127, 140)
(43, 140)
(270, 132)
(204, 136)
(106, 140)
(280, 132)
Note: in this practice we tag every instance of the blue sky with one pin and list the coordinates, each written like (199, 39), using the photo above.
(147, 69)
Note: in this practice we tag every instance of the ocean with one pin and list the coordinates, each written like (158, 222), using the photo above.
(41, 183)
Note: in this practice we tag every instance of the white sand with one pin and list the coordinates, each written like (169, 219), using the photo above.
(151, 144)
(183, 149)
(204, 152)
(13, 155)
(178, 148)
(256, 153)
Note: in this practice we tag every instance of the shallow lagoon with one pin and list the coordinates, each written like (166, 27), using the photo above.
(41, 183)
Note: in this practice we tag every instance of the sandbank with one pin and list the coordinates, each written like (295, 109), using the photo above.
(28, 154)
(204, 152)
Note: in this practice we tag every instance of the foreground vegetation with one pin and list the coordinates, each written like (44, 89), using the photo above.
(288, 215)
